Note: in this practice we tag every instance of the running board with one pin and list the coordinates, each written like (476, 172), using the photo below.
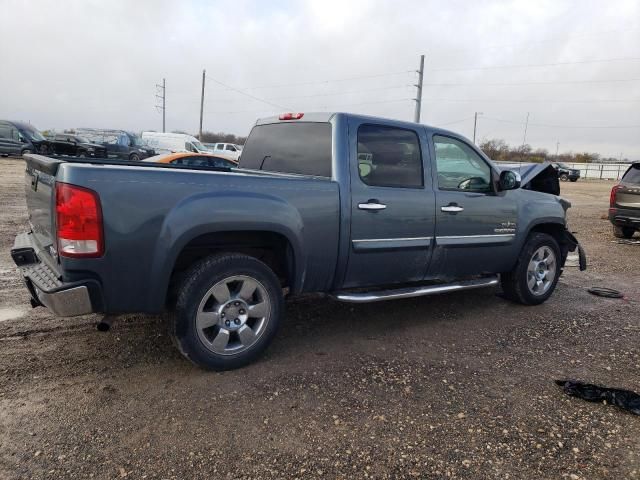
(378, 296)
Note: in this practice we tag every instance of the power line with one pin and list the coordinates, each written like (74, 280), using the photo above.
(337, 106)
(248, 94)
(559, 126)
(561, 82)
(536, 65)
(336, 80)
(531, 100)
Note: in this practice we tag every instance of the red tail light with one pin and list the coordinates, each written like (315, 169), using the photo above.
(78, 222)
(291, 116)
(612, 198)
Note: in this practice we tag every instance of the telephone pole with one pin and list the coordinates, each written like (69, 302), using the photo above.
(475, 123)
(418, 99)
(162, 88)
(526, 124)
(204, 72)
(557, 147)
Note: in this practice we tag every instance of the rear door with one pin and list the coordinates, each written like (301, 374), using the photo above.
(392, 205)
(475, 224)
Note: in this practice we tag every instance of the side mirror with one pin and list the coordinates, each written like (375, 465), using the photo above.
(509, 180)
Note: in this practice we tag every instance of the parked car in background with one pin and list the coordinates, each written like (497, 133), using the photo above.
(173, 142)
(76, 146)
(229, 150)
(624, 205)
(119, 143)
(193, 159)
(18, 138)
(565, 172)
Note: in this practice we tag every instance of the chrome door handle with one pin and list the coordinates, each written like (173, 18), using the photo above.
(372, 205)
(452, 208)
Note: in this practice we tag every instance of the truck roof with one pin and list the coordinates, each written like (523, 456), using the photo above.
(327, 116)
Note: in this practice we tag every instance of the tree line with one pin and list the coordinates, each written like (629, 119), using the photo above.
(499, 150)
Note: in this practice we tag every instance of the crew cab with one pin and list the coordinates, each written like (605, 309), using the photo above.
(361, 208)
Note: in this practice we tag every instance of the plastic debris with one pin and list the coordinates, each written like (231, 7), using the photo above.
(625, 399)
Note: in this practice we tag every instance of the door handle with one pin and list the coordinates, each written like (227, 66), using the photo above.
(452, 208)
(372, 205)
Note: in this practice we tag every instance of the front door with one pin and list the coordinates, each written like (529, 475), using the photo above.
(392, 205)
(475, 224)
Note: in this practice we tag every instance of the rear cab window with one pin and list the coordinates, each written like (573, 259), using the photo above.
(302, 148)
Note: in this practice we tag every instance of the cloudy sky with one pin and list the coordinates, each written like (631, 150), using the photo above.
(573, 65)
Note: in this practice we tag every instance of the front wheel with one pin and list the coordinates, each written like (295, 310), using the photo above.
(228, 310)
(134, 157)
(536, 273)
(564, 177)
(573, 179)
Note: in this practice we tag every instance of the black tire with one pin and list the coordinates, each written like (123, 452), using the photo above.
(623, 232)
(515, 283)
(195, 292)
(26, 151)
(564, 177)
(573, 179)
(134, 157)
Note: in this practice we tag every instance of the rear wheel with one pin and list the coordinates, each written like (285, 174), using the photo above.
(536, 274)
(228, 310)
(573, 179)
(623, 232)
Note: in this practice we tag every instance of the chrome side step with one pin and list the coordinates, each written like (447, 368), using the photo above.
(378, 296)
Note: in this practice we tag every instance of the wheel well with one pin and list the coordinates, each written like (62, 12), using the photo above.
(556, 230)
(271, 248)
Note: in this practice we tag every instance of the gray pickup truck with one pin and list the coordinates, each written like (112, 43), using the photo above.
(361, 208)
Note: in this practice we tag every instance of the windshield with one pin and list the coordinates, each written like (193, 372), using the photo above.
(82, 140)
(200, 147)
(33, 135)
(137, 141)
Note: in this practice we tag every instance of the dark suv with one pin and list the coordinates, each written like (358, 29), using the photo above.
(77, 146)
(119, 143)
(18, 138)
(624, 205)
(565, 172)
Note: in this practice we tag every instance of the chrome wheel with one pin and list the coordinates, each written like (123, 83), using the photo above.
(541, 271)
(233, 314)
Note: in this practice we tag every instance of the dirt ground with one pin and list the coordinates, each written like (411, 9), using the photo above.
(455, 386)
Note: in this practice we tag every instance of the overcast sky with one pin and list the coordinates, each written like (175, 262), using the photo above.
(66, 64)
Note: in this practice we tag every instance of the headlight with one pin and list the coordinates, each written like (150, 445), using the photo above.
(91, 149)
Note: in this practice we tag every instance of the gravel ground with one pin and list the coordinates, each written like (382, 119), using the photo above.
(456, 386)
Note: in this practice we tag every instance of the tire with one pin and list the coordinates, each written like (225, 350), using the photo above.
(536, 273)
(573, 179)
(26, 151)
(623, 232)
(231, 286)
(564, 177)
(81, 154)
(134, 157)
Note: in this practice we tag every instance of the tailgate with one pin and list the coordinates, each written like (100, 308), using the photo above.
(39, 186)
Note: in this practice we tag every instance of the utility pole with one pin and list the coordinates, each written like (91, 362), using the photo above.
(475, 124)
(557, 147)
(526, 124)
(204, 72)
(162, 88)
(418, 99)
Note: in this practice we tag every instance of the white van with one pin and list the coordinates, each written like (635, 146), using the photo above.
(173, 142)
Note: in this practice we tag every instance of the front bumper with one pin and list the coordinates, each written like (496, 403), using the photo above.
(65, 299)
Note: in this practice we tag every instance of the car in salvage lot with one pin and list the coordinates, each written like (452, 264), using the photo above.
(76, 146)
(192, 159)
(624, 203)
(566, 173)
(429, 213)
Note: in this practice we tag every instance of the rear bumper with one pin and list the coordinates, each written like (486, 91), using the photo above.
(625, 217)
(65, 299)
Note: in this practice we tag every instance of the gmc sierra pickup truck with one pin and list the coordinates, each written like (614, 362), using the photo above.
(361, 208)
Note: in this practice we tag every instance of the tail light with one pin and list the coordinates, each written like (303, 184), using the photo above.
(78, 222)
(612, 198)
(291, 116)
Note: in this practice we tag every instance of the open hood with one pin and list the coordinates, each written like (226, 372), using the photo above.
(540, 177)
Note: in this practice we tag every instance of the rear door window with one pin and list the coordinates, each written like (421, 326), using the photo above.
(303, 148)
(632, 175)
